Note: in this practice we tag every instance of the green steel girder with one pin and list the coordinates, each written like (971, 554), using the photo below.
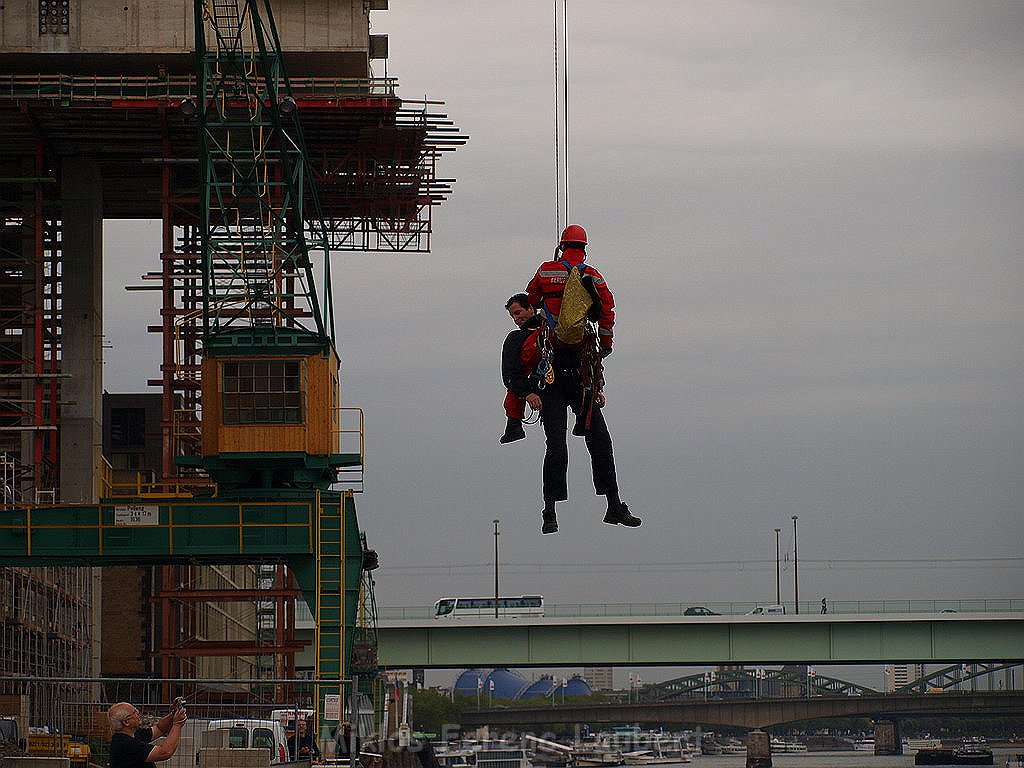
(183, 530)
(257, 231)
(746, 681)
(315, 533)
(953, 676)
(680, 641)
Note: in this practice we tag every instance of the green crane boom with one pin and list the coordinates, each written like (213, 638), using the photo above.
(261, 217)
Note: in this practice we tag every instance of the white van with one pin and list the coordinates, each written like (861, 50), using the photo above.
(255, 734)
(768, 610)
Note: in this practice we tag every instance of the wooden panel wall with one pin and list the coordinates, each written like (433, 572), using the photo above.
(317, 435)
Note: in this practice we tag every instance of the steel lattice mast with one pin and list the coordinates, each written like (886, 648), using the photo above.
(260, 216)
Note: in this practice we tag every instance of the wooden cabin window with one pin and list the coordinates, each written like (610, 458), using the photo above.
(262, 392)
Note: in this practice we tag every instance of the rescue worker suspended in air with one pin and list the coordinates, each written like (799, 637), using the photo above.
(520, 355)
(578, 316)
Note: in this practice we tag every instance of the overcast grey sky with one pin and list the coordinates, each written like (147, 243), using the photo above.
(810, 216)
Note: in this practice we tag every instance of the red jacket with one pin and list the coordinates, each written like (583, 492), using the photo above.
(549, 282)
(529, 353)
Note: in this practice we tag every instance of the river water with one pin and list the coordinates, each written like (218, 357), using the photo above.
(862, 759)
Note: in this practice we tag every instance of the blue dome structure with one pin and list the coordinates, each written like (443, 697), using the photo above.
(467, 682)
(507, 685)
(546, 686)
(578, 687)
(539, 688)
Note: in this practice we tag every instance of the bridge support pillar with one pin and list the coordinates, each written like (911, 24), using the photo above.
(888, 738)
(759, 752)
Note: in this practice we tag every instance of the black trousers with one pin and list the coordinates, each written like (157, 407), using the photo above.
(556, 398)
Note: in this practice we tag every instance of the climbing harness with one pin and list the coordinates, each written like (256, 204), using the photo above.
(591, 376)
(545, 370)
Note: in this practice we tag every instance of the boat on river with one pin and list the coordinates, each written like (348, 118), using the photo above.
(640, 747)
(966, 755)
(592, 755)
(732, 746)
(779, 746)
(470, 753)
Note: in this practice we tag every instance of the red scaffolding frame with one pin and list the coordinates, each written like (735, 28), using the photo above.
(374, 164)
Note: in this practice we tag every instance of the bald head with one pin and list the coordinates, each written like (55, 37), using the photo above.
(121, 714)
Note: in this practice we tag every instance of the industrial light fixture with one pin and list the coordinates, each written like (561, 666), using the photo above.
(287, 105)
(188, 106)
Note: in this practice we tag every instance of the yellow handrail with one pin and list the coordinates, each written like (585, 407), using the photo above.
(139, 487)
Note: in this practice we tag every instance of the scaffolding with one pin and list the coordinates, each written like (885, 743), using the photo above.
(46, 613)
(373, 164)
(30, 318)
(233, 620)
(47, 629)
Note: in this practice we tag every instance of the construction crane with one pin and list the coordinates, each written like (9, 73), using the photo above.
(208, 141)
(270, 370)
(253, 170)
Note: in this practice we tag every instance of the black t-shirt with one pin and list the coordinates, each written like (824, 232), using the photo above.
(131, 751)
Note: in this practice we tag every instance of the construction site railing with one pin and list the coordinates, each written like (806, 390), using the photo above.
(50, 709)
(350, 439)
(598, 610)
(142, 484)
(71, 88)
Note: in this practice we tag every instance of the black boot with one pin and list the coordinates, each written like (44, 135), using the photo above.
(619, 515)
(550, 522)
(513, 431)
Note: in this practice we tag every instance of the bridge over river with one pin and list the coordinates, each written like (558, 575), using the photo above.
(949, 638)
(755, 713)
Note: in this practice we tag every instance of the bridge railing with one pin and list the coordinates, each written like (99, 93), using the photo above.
(838, 607)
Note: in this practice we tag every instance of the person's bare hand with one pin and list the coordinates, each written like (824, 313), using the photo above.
(533, 400)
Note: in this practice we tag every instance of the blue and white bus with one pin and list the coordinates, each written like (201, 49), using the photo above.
(460, 607)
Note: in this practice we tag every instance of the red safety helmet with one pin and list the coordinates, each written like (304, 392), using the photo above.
(574, 233)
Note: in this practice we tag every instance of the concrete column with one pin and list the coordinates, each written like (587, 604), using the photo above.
(28, 485)
(888, 738)
(81, 435)
(759, 750)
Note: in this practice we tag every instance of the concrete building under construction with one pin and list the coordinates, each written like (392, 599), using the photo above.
(97, 115)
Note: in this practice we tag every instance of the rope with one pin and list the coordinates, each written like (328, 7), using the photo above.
(534, 416)
(565, 102)
(554, 80)
(561, 127)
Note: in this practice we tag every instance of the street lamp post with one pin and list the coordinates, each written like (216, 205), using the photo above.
(796, 572)
(778, 570)
(496, 568)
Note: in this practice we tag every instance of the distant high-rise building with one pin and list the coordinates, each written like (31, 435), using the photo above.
(598, 678)
(899, 675)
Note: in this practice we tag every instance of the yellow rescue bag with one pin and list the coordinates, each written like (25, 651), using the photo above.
(576, 303)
